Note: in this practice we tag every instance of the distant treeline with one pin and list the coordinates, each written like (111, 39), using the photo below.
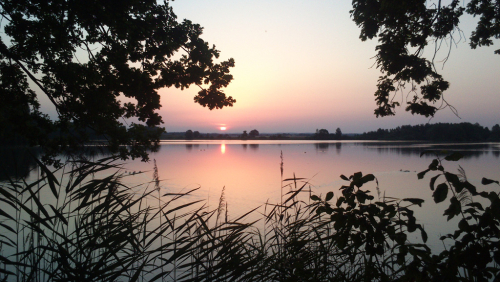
(456, 132)
(444, 132)
(195, 135)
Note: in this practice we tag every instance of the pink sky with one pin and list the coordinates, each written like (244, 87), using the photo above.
(301, 66)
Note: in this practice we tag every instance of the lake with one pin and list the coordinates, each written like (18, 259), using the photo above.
(249, 171)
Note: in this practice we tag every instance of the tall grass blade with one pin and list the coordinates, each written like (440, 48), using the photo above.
(52, 180)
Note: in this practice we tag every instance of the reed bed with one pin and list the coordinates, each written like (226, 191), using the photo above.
(83, 223)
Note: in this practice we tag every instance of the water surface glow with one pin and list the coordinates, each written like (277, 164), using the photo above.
(250, 171)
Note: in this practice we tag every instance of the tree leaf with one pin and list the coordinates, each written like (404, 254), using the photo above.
(329, 196)
(357, 176)
(455, 181)
(470, 187)
(315, 198)
(426, 152)
(414, 201)
(434, 164)
(340, 201)
(367, 178)
(320, 210)
(463, 225)
(424, 234)
(441, 193)
(421, 174)
(486, 181)
(344, 177)
(454, 209)
(433, 180)
(455, 156)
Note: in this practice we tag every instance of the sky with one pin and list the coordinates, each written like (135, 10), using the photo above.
(300, 66)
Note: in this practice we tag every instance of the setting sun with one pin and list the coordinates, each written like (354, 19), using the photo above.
(222, 128)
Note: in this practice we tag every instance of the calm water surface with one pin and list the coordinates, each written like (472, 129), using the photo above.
(249, 171)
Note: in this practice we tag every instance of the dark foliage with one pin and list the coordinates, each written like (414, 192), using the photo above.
(253, 133)
(456, 132)
(338, 134)
(378, 231)
(322, 134)
(405, 28)
(86, 56)
(244, 136)
(189, 135)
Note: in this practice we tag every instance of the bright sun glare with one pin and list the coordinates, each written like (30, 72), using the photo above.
(222, 128)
